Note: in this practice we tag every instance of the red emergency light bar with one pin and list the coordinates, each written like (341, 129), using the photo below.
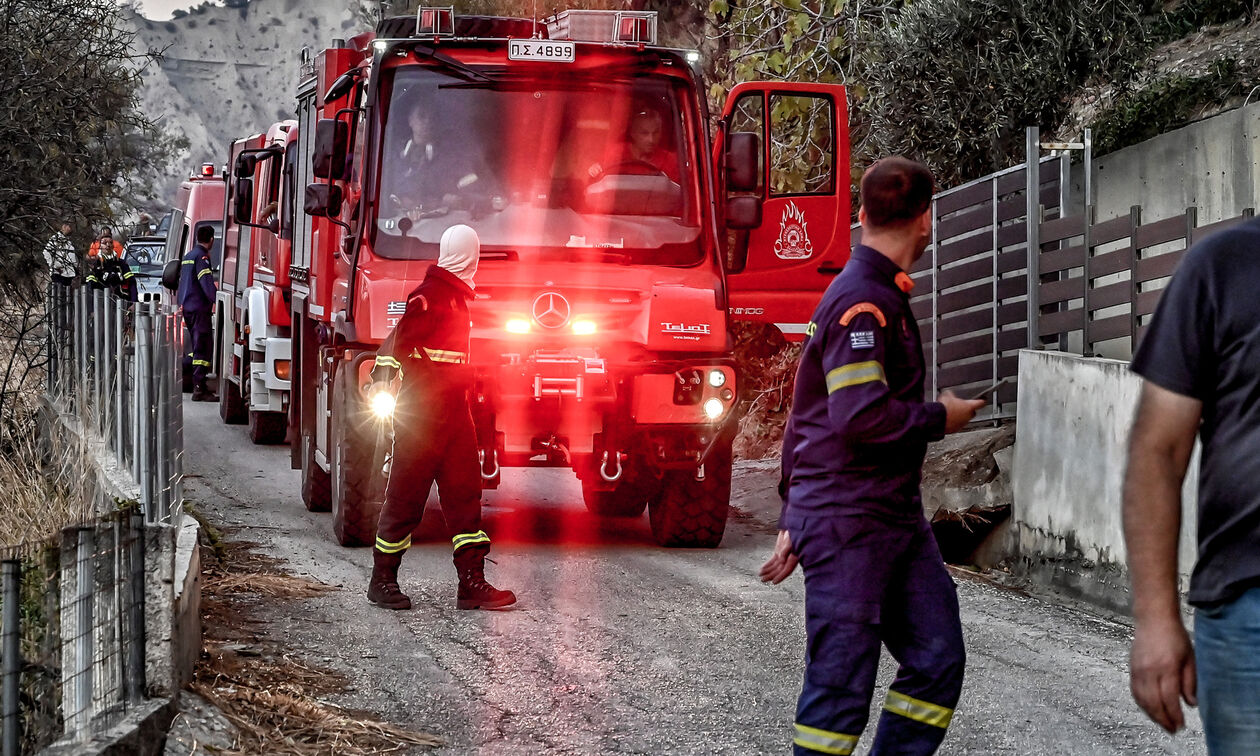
(435, 22)
(207, 169)
(603, 26)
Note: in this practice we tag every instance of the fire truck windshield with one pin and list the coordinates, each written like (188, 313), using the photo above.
(540, 168)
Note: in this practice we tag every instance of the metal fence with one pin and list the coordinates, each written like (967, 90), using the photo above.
(1093, 285)
(116, 365)
(73, 608)
(72, 632)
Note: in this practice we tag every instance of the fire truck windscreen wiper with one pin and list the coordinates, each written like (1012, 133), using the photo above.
(449, 64)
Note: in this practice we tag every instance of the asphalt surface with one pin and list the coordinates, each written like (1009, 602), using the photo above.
(620, 647)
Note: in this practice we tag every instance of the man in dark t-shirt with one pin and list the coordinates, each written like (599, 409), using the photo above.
(1200, 360)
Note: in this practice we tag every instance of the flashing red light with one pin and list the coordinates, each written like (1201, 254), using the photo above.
(435, 22)
(634, 29)
(207, 169)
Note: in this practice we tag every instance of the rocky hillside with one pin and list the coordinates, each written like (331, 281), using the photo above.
(230, 72)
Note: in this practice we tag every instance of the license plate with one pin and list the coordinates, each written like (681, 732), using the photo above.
(547, 51)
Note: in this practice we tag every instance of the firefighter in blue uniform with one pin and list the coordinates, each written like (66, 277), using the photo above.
(196, 296)
(434, 436)
(853, 517)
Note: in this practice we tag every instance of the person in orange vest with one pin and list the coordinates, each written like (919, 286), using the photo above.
(107, 267)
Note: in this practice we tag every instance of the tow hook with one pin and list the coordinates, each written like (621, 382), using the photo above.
(611, 477)
(494, 461)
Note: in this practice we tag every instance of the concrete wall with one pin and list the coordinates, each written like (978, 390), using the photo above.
(1213, 165)
(1071, 449)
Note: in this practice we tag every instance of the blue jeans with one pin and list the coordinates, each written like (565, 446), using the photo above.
(1227, 654)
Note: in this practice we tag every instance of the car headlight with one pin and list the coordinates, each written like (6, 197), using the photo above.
(714, 408)
(383, 404)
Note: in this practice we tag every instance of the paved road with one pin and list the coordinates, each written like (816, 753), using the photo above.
(621, 647)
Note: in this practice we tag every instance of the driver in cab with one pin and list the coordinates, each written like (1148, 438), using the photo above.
(431, 178)
(642, 153)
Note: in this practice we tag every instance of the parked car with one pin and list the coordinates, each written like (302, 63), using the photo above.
(146, 255)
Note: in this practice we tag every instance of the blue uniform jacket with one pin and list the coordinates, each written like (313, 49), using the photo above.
(196, 281)
(859, 428)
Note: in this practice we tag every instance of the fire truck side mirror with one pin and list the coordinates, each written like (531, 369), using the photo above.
(743, 213)
(742, 149)
(322, 200)
(246, 163)
(243, 210)
(329, 159)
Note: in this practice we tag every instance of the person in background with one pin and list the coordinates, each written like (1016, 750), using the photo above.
(197, 291)
(63, 264)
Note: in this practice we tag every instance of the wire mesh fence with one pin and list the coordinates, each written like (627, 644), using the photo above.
(72, 632)
(73, 645)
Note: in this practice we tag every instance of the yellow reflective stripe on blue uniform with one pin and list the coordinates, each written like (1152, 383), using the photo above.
(205, 272)
(444, 355)
(201, 363)
(188, 262)
(384, 360)
(855, 374)
(824, 741)
(469, 539)
(388, 547)
(919, 711)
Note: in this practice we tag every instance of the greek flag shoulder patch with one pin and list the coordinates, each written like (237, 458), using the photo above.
(862, 339)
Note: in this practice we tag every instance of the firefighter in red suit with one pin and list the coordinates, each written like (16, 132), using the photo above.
(434, 437)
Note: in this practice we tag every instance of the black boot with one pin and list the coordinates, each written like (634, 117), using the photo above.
(203, 394)
(474, 592)
(383, 590)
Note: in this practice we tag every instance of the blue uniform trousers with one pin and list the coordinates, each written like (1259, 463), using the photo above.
(201, 334)
(872, 581)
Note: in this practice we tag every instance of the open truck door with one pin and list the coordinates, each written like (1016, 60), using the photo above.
(782, 158)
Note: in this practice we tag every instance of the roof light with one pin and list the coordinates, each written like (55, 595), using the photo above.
(207, 169)
(635, 28)
(435, 22)
(583, 327)
(693, 57)
(603, 26)
(517, 325)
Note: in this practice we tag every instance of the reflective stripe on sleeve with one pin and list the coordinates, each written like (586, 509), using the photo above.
(469, 539)
(446, 356)
(205, 272)
(919, 711)
(387, 547)
(384, 360)
(201, 363)
(188, 262)
(855, 374)
(824, 741)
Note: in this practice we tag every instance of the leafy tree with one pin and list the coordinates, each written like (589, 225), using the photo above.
(74, 146)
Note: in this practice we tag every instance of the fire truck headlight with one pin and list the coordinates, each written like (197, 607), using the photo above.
(714, 408)
(517, 325)
(383, 404)
(717, 378)
(584, 328)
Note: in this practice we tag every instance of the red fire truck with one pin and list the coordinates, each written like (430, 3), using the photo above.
(252, 320)
(617, 241)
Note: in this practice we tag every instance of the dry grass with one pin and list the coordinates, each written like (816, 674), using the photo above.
(273, 699)
(43, 493)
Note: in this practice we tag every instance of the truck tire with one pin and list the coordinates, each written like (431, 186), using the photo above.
(636, 488)
(232, 407)
(316, 485)
(267, 427)
(357, 469)
(690, 513)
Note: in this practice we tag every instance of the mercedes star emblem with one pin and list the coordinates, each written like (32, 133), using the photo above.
(551, 310)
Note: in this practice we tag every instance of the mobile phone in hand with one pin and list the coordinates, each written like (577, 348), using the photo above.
(991, 390)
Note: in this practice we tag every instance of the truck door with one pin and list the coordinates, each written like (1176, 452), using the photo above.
(779, 261)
